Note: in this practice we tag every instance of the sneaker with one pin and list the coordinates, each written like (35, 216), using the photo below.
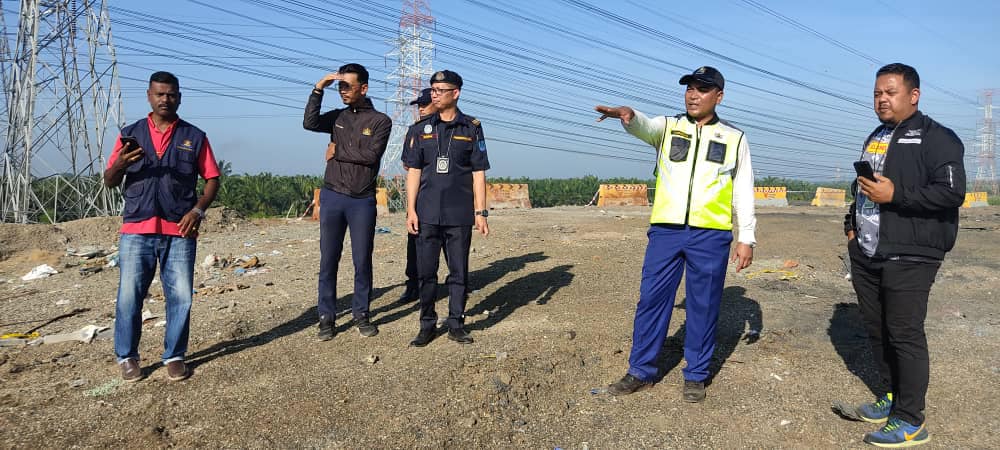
(628, 385)
(130, 371)
(877, 411)
(326, 328)
(366, 328)
(874, 412)
(897, 433)
(694, 391)
(177, 370)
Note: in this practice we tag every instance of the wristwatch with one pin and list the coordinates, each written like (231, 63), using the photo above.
(484, 213)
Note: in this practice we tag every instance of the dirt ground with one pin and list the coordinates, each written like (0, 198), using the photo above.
(554, 291)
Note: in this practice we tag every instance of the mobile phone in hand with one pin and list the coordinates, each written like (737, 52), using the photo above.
(864, 169)
(129, 143)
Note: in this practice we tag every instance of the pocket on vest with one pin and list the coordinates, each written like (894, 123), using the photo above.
(133, 197)
(716, 152)
(679, 148)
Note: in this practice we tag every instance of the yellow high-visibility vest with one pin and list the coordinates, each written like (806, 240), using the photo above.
(694, 174)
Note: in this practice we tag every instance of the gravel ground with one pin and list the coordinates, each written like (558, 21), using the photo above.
(554, 291)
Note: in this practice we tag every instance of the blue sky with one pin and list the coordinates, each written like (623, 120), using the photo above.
(534, 70)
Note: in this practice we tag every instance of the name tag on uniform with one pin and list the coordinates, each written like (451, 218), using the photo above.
(462, 138)
(442, 164)
(426, 136)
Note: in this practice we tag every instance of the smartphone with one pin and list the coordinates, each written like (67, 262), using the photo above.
(864, 169)
(129, 143)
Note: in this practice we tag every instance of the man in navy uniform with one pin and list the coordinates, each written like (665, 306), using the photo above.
(425, 107)
(446, 197)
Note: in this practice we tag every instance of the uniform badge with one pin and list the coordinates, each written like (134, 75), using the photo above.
(482, 145)
(186, 145)
(718, 135)
(366, 131)
(428, 129)
(439, 76)
(475, 122)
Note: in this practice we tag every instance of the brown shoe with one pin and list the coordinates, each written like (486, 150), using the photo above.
(694, 391)
(130, 371)
(627, 385)
(177, 370)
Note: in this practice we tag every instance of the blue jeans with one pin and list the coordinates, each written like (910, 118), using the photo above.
(139, 255)
(338, 214)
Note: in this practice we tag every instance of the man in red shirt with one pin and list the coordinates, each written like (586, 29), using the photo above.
(157, 161)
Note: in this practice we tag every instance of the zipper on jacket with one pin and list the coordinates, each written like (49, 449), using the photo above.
(694, 162)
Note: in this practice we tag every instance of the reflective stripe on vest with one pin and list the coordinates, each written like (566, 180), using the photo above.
(695, 170)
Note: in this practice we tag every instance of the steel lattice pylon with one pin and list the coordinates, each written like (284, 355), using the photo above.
(413, 59)
(986, 177)
(60, 80)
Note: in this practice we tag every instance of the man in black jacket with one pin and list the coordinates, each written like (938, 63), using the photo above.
(899, 228)
(358, 137)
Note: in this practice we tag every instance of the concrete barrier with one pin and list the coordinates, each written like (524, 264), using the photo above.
(976, 200)
(507, 195)
(770, 196)
(622, 195)
(830, 197)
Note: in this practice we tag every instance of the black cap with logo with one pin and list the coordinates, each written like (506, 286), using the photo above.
(424, 99)
(447, 76)
(707, 75)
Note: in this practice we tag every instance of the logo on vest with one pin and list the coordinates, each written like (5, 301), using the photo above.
(366, 131)
(187, 146)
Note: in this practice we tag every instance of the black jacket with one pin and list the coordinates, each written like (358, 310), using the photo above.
(361, 135)
(924, 161)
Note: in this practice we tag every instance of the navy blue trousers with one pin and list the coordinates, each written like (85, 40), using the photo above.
(671, 250)
(339, 213)
(456, 241)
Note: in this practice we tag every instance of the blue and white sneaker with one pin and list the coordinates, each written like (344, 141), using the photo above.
(897, 433)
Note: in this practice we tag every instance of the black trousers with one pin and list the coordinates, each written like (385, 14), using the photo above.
(412, 276)
(892, 295)
(455, 240)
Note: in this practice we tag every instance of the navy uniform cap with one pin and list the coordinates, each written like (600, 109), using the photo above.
(707, 75)
(424, 99)
(447, 76)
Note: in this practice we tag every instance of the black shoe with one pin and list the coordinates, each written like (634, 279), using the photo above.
(326, 328)
(366, 328)
(694, 391)
(460, 335)
(423, 338)
(411, 295)
(628, 385)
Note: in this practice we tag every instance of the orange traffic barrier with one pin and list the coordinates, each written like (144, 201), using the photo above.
(507, 195)
(976, 200)
(315, 205)
(381, 201)
(622, 195)
(830, 197)
(770, 196)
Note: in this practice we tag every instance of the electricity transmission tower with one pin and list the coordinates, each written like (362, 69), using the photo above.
(61, 92)
(413, 56)
(986, 177)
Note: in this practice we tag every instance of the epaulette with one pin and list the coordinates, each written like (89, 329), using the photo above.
(472, 120)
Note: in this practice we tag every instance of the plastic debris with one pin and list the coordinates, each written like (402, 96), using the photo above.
(113, 260)
(161, 323)
(383, 230)
(210, 261)
(41, 271)
(147, 316)
(599, 391)
(85, 335)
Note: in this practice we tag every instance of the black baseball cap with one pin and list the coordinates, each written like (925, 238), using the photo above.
(707, 75)
(447, 76)
(424, 99)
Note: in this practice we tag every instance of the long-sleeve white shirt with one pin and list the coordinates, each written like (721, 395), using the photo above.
(651, 131)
